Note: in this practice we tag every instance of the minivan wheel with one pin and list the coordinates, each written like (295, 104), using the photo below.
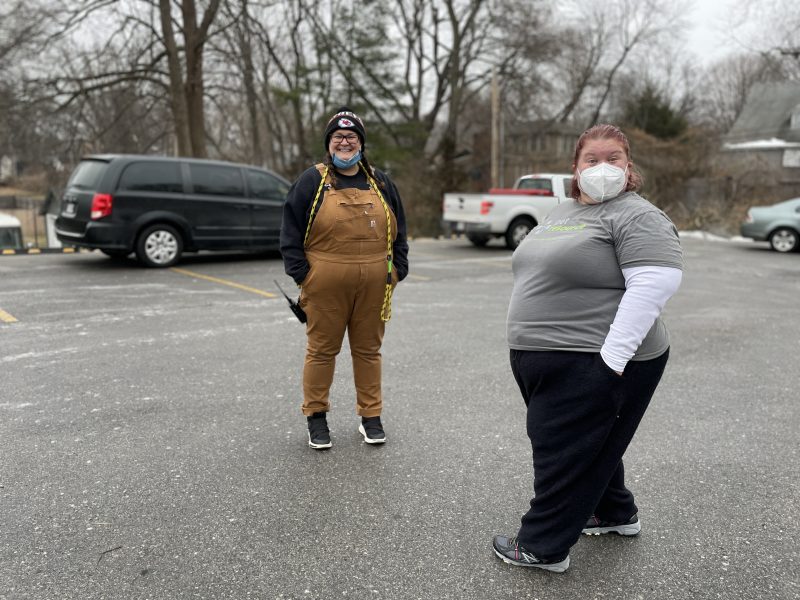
(784, 240)
(519, 228)
(159, 246)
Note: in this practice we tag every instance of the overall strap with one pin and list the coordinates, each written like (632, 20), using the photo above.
(386, 309)
(314, 204)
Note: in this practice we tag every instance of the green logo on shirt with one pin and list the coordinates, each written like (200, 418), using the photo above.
(559, 228)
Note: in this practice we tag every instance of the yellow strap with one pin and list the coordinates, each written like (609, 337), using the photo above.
(386, 308)
(314, 206)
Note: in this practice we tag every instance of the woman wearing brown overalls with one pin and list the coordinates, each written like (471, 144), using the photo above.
(343, 241)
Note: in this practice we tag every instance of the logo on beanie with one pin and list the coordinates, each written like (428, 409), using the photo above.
(346, 123)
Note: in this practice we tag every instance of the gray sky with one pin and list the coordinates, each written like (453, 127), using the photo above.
(707, 39)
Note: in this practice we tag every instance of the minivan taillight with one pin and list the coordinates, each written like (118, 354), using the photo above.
(486, 206)
(101, 206)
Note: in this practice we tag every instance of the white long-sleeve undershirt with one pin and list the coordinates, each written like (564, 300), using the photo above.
(647, 290)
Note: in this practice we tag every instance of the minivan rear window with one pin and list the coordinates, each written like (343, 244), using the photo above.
(216, 180)
(265, 186)
(152, 176)
(87, 174)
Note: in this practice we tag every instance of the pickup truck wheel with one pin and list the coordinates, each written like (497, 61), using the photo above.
(519, 228)
(479, 240)
(159, 246)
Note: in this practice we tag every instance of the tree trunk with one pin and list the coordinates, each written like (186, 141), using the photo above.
(194, 41)
(251, 98)
(177, 99)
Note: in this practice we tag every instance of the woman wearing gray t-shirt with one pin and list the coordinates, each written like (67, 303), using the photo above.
(588, 348)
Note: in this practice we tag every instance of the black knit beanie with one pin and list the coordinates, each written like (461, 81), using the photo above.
(345, 119)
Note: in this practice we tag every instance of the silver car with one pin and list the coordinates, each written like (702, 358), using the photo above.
(779, 224)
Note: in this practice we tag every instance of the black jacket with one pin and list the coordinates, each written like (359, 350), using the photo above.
(297, 210)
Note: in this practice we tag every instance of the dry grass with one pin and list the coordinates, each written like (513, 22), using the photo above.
(17, 191)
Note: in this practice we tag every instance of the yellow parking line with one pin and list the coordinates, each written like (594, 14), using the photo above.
(224, 282)
(6, 318)
(418, 277)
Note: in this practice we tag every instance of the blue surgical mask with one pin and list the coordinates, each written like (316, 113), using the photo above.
(346, 164)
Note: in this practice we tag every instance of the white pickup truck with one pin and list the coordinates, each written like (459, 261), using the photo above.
(509, 213)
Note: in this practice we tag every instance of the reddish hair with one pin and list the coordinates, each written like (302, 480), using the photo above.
(606, 132)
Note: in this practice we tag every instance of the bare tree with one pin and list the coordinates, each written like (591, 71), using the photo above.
(569, 73)
(296, 81)
(244, 41)
(186, 95)
(154, 45)
(580, 62)
(23, 25)
(632, 24)
(770, 28)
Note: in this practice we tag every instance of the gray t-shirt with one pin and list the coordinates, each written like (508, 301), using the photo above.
(568, 278)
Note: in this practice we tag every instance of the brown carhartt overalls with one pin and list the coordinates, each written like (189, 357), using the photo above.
(344, 290)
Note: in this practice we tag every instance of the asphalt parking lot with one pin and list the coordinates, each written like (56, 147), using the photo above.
(152, 444)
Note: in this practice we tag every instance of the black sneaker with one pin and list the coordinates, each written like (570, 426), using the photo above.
(319, 436)
(512, 552)
(595, 526)
(372, 430)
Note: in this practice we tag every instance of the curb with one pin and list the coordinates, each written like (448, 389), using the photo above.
(67, 250)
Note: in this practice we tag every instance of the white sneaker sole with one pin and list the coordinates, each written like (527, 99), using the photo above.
(627, 530)
(363, 432)
(318, 446)
(558, 567)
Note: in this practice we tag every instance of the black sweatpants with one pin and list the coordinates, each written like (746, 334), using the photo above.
(581, 418)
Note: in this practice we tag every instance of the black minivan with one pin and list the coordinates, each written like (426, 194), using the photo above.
(160, 207)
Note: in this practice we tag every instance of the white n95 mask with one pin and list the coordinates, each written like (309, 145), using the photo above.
(602, 181)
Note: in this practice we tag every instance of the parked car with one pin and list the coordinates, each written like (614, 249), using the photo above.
(159, 207)
(779, 224)
(10, 232)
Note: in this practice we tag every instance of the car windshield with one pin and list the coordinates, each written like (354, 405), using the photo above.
(10, 237)
(790, 204)
(87, 174)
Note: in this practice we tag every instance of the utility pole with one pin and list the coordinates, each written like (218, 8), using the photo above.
(496, 176)
(495, 172)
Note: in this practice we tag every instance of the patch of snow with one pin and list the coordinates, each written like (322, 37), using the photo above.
(704, 235)
(771, 143)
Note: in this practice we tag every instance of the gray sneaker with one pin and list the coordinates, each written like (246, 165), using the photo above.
(595, 526)
(514, 553)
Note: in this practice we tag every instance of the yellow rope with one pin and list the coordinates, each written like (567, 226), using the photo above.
(314, 205)
(386, 308)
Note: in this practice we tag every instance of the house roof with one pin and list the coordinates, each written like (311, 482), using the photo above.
(767, 114)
